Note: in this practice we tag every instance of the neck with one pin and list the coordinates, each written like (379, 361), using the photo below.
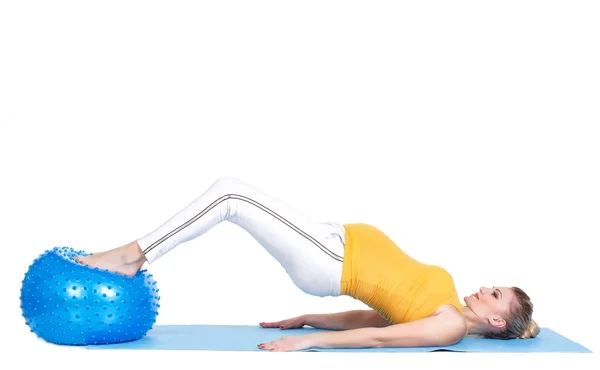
(475, 324)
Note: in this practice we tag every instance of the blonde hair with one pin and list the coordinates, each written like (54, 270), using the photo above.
(519, 323)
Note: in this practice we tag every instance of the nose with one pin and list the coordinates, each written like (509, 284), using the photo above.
(483, 289)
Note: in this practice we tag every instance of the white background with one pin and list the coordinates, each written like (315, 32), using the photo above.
(466, 130)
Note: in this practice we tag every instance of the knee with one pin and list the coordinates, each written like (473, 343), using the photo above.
(228, 188)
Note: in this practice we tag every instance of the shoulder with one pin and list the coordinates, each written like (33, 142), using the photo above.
(448, 309)
(455, 324)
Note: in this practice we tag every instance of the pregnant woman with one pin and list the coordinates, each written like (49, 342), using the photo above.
(412, 303)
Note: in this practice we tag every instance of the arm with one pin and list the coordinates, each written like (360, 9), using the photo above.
(444, 329)
(346, 320)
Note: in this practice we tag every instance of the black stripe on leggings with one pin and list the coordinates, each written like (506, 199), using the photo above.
(253, 202)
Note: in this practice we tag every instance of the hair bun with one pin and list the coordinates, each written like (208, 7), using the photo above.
(531, 331)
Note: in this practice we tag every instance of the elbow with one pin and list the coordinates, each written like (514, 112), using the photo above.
(378, 339)
(380, 343)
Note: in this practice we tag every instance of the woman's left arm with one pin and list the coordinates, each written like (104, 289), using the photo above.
(444, 329)
(441, 330)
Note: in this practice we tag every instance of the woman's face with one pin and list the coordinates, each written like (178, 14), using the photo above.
(491, 303)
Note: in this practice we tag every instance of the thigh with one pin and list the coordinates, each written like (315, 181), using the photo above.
(311, 252)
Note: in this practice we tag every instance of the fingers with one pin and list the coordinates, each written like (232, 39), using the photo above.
(284, 324)
(273, 346)
(265, 346)
(269, 346)
(273, 324)
(282, 344)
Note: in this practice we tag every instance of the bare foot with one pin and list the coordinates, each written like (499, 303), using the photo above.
(126, 260)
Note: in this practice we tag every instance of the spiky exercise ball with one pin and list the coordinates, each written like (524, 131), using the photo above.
(64, 302)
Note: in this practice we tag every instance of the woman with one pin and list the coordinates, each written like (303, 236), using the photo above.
(413, 304)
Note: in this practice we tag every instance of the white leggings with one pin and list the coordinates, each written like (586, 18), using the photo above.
(311, 252)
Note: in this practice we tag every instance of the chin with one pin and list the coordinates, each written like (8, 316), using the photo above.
(467, 300)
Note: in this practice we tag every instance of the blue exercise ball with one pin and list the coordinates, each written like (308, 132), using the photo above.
(65, 302)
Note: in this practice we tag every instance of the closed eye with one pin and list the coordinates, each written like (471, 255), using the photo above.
(496, 292)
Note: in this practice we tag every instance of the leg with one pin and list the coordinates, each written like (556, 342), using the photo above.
(311, 252)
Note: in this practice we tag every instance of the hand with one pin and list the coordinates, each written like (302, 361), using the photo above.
(288, 343)
(293, 323)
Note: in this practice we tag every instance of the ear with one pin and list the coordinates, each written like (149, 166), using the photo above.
(497, 322)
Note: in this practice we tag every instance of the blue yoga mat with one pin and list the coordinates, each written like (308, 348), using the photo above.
(246, 338)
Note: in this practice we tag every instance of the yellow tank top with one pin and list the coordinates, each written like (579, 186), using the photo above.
(378, 273)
